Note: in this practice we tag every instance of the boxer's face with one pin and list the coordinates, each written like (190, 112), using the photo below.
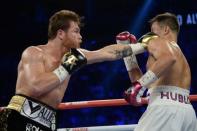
(73, 37)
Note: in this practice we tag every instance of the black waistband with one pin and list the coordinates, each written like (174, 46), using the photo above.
(34, 110)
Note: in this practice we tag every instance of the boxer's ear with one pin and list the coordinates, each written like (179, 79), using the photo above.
(166, 29)
(60, 34)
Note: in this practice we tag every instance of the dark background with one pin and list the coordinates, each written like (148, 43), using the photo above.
(24, 23)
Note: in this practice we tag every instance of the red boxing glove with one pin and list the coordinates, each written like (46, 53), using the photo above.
(133, 94)
(125, 38)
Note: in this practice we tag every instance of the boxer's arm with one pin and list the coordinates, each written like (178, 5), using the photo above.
(130, 61)
(107, 53)
(163, 55)
(164, 59)
(118, 51)
(135, 73)
(38, 80)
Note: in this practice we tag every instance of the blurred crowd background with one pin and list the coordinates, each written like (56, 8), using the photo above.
(24, 23)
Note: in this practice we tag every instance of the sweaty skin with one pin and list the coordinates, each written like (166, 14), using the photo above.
(35, 70)
(169, 63)
(166, 60)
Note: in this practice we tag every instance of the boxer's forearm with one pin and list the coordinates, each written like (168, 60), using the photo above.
(116, 51)
(135, 74)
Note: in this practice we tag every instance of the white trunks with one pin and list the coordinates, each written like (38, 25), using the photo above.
(169, 109)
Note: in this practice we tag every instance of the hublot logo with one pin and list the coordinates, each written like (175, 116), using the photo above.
(175, 97)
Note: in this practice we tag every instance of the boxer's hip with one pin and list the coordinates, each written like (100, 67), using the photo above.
(169, 95)
(34, 111)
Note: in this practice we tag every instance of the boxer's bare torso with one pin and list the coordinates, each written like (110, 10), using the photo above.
(178, 74)
(47, 63)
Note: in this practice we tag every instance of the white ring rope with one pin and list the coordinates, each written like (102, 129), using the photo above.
(102, 128)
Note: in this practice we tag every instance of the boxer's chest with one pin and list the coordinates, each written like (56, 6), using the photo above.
(51, 63)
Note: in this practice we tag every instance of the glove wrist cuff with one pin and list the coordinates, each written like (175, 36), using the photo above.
(61, 73)
(137, 48)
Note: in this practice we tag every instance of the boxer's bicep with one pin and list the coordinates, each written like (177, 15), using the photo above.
(38, 81)
(107, 53)
(162, 54)
(91, 56)
(95, 56)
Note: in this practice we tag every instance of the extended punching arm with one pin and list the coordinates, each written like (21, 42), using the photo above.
(140, 46)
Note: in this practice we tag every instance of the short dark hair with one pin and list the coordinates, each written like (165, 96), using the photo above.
(61, 20)
(168, 19)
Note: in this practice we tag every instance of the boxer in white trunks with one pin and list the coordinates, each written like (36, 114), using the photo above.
(168, 79)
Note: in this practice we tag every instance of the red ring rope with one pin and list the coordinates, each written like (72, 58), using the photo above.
(101, 103)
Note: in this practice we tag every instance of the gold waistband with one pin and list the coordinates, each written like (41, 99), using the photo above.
(16, 103)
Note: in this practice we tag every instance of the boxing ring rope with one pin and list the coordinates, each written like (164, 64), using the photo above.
(95, 103)
(102, 103)
(102, 128)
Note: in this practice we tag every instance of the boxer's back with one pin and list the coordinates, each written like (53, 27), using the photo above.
(178, 74)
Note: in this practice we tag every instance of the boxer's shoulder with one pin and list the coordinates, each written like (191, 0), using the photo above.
(33, 52)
